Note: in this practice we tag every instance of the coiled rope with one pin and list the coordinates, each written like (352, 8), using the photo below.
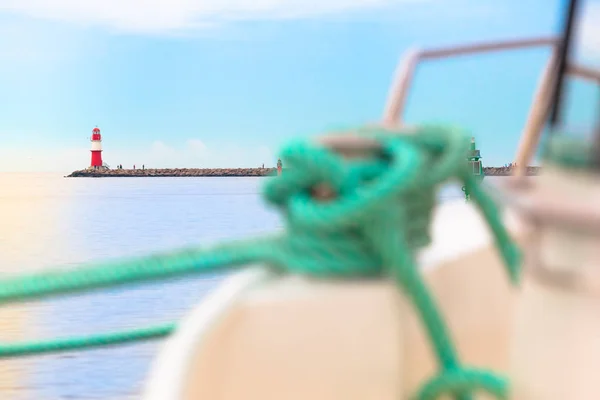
(379, 218)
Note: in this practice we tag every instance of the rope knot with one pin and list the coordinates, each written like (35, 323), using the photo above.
(379, 216)
(401, 179)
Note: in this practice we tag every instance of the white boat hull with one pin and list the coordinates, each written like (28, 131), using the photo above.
(262, 337)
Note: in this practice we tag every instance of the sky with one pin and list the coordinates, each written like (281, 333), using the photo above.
(225, 83)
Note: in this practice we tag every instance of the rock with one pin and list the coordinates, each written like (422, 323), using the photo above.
(507, 171)
(175, 172)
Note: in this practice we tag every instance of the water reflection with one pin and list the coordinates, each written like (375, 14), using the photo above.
(30, 209)
(48, 220)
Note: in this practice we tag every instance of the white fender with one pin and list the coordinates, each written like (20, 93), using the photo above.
(555, 353)
(295, 338)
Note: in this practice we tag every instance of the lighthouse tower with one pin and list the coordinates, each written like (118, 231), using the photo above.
(96, 148)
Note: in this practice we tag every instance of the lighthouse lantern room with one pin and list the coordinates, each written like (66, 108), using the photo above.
(96, 148)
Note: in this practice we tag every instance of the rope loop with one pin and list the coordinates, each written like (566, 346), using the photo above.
(461, 382)
(405, 177)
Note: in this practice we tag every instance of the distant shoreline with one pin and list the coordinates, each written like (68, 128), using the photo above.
(229, 172)
(507, 171)
(174, 172)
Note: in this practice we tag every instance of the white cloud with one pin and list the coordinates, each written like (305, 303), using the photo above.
(197, 154)
(589, 30)
(171, 15)
(197, 146)
(160, 149)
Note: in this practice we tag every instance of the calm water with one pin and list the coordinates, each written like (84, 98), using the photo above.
(47, 220)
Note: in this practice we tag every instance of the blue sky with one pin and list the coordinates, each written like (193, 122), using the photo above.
(224, 83)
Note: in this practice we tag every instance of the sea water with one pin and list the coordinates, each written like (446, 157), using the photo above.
(47, 220)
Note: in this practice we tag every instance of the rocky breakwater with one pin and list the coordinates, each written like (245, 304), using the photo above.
(507, 171)
(231, 172)
(174, 172)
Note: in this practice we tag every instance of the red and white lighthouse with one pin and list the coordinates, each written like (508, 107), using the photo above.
(96, 148)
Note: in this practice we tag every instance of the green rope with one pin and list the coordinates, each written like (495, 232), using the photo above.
(377, 222)
(460, 381)
(86, 342)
